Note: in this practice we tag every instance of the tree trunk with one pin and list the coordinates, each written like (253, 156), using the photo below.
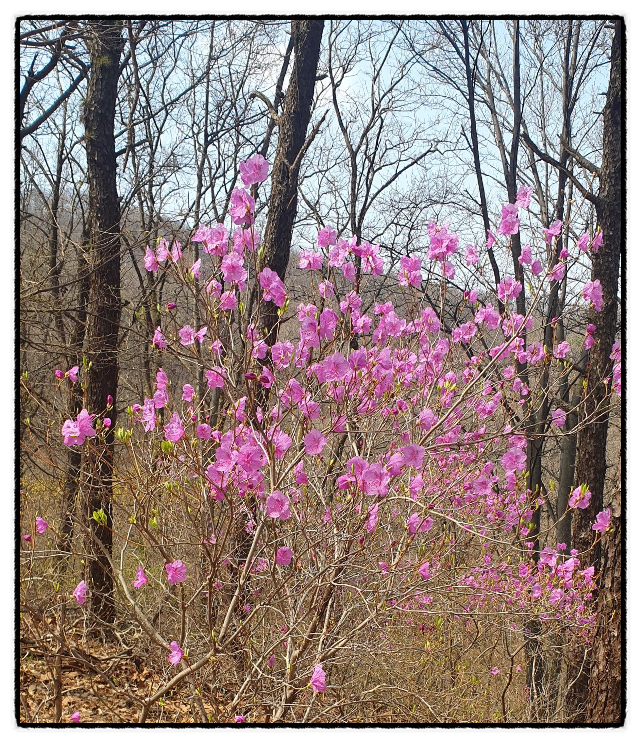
(103, 315)
(592, 438)
(292, 133)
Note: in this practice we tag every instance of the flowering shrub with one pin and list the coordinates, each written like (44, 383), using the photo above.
(365, 473)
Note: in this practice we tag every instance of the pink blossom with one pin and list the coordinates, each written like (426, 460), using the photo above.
(523, 196)
(273, 287)
(241, 208)
(282, 354)
(602, 520)
(176, 252)
(254, 170)
(558, 418)
(314, 443)
(597, 242)
(561, 351)
(174, 430)
(215, 377)
(176, 653)
(240, 718)
(580, 497)
(75, 717)
(106, 422)
(372, 518)
(278, 506)
(188, 393)
(552, 231)
(494, 671)
(317, 680)
(41, 525)
(326, 289)
(141, 578)
(284, 556)
(592, 292)
(326, 237)
(80, 592)
(514, 460)
(508, 288)
(151, 264)
(471, 256)
(490, 239)
(159, 339)
(75, 432)
(233, 269)
(557, 273)
(228, 301)
(526, 255)
(176, 571)
(203, 431)
(187, 335)
(509, 220)
(442, 242)
(413, 455)
(310, 260)
(424, 571)
(410, 273)
(59, 374)
(72, 374)
(537, 267)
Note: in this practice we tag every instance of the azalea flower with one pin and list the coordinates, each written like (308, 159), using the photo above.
(176, 653)
(141, 578)
(253, 170)
(318, 679)
(284, 556)
(278, 506)
(602, 521)
(174, 430)
(41, 525)
(314, 442)
(75, 717)
(176, 572)
(80, 592)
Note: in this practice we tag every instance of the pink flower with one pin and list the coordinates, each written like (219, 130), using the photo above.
(159, 339)
(80, 592)
(557, 273)
(176, 653)
(471, 256)
(314, 443)
(413, 455)
(310, 260)
(195, 269)
(318, 679)
(494, 671)
(188, 393)
(141, 578)
(592, 292)
(278, 506)
(508, 288)
(151, 264)
(27, 537)
(233, 269)
(228, 301)
(203, 431)
(174, 430)
(241, 208)
(597, 242)
(326, 237)
(59, 374)
(284, 556)
(514, 460)
(526, 255)
(187, 335)
(215, 377)
(254, 170)
(558, 418)
(580, 497)
(523, 196)
(561, 351)
(240, 718)
(41, 525)
(106, 422)
(552, 231)
(424, 571)
(273, 287)
(75, 717)
(509, 219)
(75, 432)
(73, 374)
(602, 519)
(537, 267)
(176, 572)
(372, 518)
(490, 239)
